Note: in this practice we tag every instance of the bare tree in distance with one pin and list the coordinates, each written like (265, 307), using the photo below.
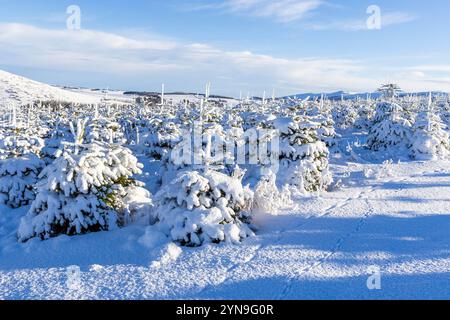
(390, 90)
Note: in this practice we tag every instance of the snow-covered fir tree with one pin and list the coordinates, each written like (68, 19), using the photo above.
(430, 141)
(389, 128)
(53, 146)
(202, 145)
(303, 157)
(82, 191)
(205, 207)
(326, 131)
(445, 112)
(232, 119)
(104, 129)
(162, 137)
(19, 142)
(344, 116)
(366, 113)
(18, 177)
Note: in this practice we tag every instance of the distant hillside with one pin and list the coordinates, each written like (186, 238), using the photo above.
(20, 90)
(147, 93)
(362, 95)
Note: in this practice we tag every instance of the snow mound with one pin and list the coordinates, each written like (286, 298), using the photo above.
(169, 254)
(152, 238)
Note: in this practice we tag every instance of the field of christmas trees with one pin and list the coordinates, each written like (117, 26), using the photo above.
(201, 197)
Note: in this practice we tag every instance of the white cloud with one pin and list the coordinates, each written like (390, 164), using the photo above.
(22, 34)
(137, 63)
(432, 68)
(394, 18)
(429, 77)
(387, 20)
(294, 10)
(279, 10)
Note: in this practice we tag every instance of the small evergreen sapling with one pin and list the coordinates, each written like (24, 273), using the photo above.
(389, 129)
(18, 177)
(208, 207)
(430, 141)
(19, 142)
(54, 144)
(345, 116)
(82, 191)
(303, 157)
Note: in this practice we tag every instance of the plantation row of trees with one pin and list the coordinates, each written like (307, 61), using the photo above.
(78, 166)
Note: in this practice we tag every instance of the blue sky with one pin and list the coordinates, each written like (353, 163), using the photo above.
(238, 45)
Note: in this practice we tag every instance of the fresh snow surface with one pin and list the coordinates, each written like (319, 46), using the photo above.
(392, 217)
(20, 90)
(112, 96)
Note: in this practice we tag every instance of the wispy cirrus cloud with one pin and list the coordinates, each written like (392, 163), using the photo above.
(279, 10)
(287, 11)
(387, 19)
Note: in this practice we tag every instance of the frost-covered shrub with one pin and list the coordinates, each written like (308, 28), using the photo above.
(429, 140)
(18, 177)
(199, 208)
(303, 157)
(389, 128)
(81, 192)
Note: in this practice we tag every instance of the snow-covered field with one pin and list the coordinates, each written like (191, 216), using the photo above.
(363, 191)
(321, 248)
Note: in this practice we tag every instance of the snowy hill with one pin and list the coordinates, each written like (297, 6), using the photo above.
(21, 90)
(17, 89)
